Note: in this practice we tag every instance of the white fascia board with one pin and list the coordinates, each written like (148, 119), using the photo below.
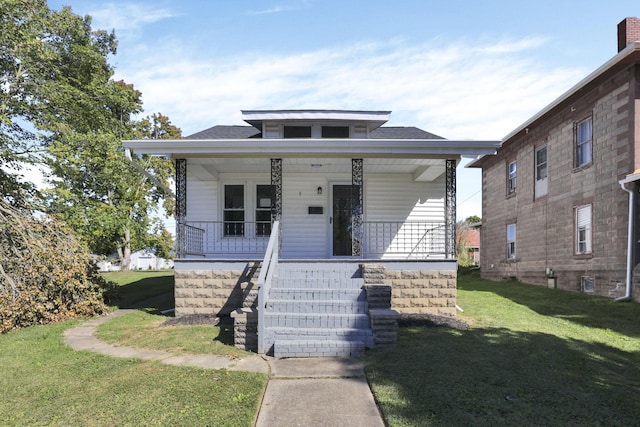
(343, 115)
(623, 54)
(406, 148)
(630, 178)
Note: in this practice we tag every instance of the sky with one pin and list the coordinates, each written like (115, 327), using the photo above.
(461, 69)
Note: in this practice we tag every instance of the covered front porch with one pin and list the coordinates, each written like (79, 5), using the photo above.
(328, 207)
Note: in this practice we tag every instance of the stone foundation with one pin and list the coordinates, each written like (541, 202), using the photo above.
(423, 291)
(213, 291)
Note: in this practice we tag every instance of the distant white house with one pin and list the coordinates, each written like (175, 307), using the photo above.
(142, 259)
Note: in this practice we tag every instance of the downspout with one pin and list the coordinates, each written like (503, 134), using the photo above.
(630, 244)
(156, 181)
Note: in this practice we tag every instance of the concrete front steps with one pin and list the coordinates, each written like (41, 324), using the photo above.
(317, 310)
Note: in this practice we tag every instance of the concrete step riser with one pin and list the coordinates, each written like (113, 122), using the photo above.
(301, 294)
(295, 334)
(328, 283)
(318, 307)
(357, 321)
(311, 348)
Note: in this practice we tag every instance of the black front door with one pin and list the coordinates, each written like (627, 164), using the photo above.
(343, 206)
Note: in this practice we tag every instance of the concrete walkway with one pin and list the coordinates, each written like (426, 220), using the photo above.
(300, 392)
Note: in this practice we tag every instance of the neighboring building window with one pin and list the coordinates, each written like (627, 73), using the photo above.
(583, 229)
(584, 137)
(511, 241)
(297, 131)
(335, 131)
(511, 179)
(233, 210)
(264, 199)
(542, 179)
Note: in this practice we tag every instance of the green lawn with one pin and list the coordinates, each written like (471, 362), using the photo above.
(44, 382)
(533, 356)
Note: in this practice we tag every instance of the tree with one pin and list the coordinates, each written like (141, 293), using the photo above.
(46, 275)
(473, 219)
(48, 62)
(98, 192)
(462, 240)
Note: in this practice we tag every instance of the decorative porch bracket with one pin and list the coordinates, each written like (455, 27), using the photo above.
(450, 209)
(276, 185)
(356, 220)
(181, 206)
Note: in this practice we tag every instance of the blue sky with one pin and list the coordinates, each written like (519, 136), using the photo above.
(458, 68)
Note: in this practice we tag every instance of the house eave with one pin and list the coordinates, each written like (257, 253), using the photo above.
(409, 148)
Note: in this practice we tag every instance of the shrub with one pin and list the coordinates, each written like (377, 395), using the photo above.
(46, 275)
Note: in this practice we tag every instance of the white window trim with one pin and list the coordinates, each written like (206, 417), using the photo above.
(250, 205)
(583, 223)
(586, 144)
(541, 183)
(511, 243)
(512, 178)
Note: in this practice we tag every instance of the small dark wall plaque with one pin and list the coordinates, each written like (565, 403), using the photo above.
(315, 210)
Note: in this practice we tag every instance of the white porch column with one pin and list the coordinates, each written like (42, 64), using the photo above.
(450, 210)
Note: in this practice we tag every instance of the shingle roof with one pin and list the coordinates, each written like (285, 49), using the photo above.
(244, 132)
(227, 132)
(399, 132)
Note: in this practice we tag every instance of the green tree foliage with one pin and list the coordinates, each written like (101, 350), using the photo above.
(462, 240)
(103, 197)
(46, 275)
(58, 100)
(48, 61)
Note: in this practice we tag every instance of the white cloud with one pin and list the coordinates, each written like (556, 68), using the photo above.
(124, 17)
(478, 91)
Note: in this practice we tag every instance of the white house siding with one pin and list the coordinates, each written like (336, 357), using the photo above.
(397, 198)
(202, 199)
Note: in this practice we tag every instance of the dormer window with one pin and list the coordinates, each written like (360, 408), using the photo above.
(335, 131)
(297, 131)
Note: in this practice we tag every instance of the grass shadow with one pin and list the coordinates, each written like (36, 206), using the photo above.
(495, 376)
(143, 289)
(586, 310)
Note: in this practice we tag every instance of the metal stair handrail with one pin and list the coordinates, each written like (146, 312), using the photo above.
(269, 265)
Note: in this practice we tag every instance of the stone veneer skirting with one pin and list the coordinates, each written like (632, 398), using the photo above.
(423, 291)
(214, 287)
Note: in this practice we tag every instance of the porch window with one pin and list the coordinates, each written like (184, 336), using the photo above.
(542, 179)
(264, 201)
(584, 136)
(234, 210)
(511, 241)
(583, 229)
(511, 179)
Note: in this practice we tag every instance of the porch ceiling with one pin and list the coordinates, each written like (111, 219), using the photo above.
(422, 169)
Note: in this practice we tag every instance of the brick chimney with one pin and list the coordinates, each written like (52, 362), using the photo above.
(628, 32)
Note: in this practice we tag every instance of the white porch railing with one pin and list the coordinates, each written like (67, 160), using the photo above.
(268, 267)
(381, 239)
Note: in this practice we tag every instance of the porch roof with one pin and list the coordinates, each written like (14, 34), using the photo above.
(347, 148)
